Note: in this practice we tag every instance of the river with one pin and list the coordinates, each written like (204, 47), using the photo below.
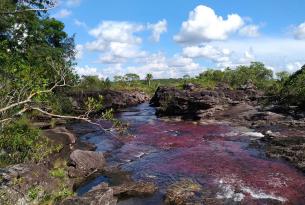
(213, 154)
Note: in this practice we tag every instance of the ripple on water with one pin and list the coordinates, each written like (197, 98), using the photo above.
(215, 155)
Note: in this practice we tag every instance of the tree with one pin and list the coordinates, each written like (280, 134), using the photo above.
(8, 7)
(186, 77)
(131, 77)
(293, 91)
(118, 78)
(107, 83)
(148, 78)
(282, 76)
(36, 60)
(214, 75)
(91, 82)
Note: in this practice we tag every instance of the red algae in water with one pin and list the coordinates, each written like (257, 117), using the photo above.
(217, 156)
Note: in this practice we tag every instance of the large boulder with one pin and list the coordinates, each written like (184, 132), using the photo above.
(174, 102)
(199, 103)
(60, 134)
(83, 163)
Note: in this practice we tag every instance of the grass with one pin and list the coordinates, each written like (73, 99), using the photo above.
(56, 196)
(34, 192)
(58, 172)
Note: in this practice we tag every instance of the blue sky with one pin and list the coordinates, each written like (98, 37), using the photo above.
(174, 38)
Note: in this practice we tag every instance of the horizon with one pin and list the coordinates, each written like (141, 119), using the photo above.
(116, 38)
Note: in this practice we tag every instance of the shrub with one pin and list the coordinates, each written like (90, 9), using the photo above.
(58, 172)
(293, 91)
(20, 142)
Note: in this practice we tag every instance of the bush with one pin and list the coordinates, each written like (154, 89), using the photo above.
(293, 91)
(255, 72)
(20, 142)
(58, 172)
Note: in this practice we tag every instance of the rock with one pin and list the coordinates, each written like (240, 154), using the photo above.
(60, 134)
(267, 116)
(184, 192)
(290, 148)
(134, 189)
(112, 99)
(102, 195)
(186, 103)
(84, 163)
(190, 86)
(16, 182)
(200, 103)
(11, 172)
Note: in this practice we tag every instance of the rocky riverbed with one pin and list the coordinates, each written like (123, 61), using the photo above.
(206, 147)
(282, 127)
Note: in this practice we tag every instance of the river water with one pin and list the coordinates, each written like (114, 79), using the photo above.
(213, 154)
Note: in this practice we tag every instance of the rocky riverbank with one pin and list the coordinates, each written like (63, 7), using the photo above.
(76, 167)
(74, 162)
(282, 127)
(111, 98)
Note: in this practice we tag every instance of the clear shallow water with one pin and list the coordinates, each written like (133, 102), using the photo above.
(215, 155)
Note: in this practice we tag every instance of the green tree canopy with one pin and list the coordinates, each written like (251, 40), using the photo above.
(130, 77)
(36, 54)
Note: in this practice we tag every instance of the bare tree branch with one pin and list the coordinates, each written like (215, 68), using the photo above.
(29, 9)
(71, 118)
(31, 96)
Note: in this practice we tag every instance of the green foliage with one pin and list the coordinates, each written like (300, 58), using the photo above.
(293, 91)
(93, 104)
(131, 77)
(93, 83)
(148, 78)
(35, 54)
(20, 142)
(41, 197)
(61, 194)
(108, 114)
(58, 172)
(34, 192)
(256, 72)
(282, 76)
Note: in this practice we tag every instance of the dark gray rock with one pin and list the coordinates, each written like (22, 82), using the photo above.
(83, 163)
(191, 103)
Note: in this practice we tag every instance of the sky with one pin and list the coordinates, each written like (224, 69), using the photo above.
(173, 38)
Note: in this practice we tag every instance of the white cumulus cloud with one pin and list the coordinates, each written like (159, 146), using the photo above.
(117, 31)
(80, 23)
(117, 41)
(293, 66)
(87, 70)
(217, 55)
(203, 25)
(158, 29)
(274, 52)
(63, 13)
(249, 31)
(299, 32)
